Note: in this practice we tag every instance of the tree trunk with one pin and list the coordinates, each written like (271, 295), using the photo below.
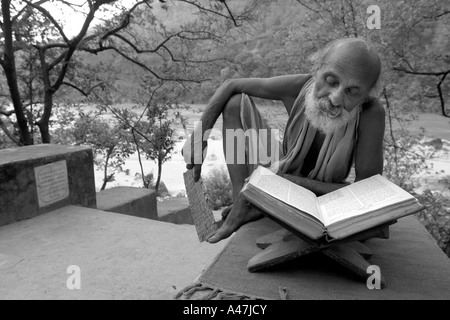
(159, 174)
(105, 172)
(9, 67)
(441, 98)
(391, 131)
(45, 119)
(146, 184)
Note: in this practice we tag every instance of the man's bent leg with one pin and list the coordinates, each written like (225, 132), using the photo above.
(241, 211)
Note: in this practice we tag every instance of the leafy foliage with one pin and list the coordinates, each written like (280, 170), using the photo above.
(436, 217)
(153, 130)
(110, 140)
(403, 160)
(218, 188)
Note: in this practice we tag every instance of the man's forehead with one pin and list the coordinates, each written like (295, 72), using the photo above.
(352, 60)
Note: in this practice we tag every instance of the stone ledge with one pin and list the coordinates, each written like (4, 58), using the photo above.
(175, 210)
(131, 201)
(19, 195)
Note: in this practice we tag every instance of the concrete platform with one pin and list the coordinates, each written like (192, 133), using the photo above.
(410, 261)
(120, 256)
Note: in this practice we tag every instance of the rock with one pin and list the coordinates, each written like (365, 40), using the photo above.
(435, 143)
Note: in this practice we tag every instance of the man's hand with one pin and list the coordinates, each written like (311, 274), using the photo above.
(193, 160)
(197, 170)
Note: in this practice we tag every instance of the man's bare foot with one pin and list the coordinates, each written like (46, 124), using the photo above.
(240, 213)
(225, 212)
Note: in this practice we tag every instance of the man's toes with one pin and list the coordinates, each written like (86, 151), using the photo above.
(222, 233)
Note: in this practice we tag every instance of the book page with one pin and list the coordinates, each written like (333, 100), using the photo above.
(360, 197)
(337, 204)
(288, 192)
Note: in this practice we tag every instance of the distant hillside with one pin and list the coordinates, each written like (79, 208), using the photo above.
(283, 34)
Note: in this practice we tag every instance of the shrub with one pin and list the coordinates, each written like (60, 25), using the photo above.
(219, 191)
(149, 181)
(436, 217)
(402, 162)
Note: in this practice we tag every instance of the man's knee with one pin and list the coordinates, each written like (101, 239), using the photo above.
(232, 107)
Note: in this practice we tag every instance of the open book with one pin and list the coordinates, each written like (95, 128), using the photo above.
(357, 207)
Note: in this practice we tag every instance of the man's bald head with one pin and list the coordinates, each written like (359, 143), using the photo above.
(354, 55)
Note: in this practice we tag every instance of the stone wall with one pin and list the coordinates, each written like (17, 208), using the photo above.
(40, 178)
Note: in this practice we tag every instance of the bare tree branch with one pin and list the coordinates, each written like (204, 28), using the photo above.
(83, 92)
(54, 45)
(442, 74)
(140, 64)
(56, 61)
(6, 113)
(229, 12)
(149, 102)
(402, 56)
(311, 9)
(24, 8)
(180, 35)
(191, 61)
(428, 73)
(344, 22)
(125, 121)
(70, 4)
(125, 22)
(202, 8)
(441, 97)
(76, 40)
(441, 14)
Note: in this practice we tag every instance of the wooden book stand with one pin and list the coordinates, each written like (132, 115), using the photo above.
(288, 244)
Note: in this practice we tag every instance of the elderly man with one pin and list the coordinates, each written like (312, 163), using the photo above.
(334, 121)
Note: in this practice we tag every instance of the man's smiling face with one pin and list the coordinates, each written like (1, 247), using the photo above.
(348, 72)
(341, 85)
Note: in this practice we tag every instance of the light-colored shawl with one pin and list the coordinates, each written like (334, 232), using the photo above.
(336, 154)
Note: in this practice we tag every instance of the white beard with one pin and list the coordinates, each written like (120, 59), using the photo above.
(322, 115)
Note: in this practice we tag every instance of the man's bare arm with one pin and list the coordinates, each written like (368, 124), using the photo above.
(369, 148)
(284, 88)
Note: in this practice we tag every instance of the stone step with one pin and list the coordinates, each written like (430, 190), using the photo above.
(119, 256)
(138, 202)
(175, 210)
